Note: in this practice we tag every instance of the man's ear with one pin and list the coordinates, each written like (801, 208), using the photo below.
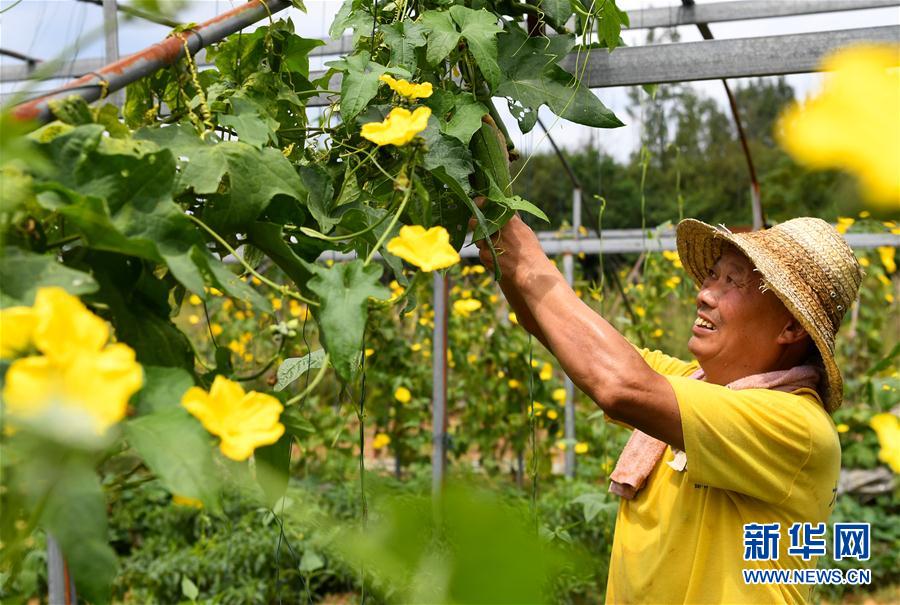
(792, 332)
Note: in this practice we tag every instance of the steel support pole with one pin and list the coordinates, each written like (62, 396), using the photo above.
(111, 33)
(439, 385)
(61, 587)
(569, 273)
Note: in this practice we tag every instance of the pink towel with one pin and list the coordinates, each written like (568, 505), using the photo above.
(643, 452)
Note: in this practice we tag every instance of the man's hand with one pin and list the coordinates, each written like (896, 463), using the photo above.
(517, 246)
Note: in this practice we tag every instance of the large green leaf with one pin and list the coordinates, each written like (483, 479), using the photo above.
(269, 238)
(162, 390)
(480, 29)
(557, 12)
(612, 18)
(448, 153)
(442, 35)
(403, 38)
(255, 176)
(344, 290)
(320, 200)
(466, 118)
(531, 78)
(22, 273)
(75, 514)
(248, 121)
(179, 450)
(360, 82)
(273, 465)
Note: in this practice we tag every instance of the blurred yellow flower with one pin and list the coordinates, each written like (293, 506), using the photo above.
(865, 214)
(581, 447)
(477, 269)
(77, 371)
(561, 445)
(535, 363)
(370, 352)
(536, 408)
(416, 346)
(559, 395)
(889, 298)
(471, 358)
(403, 395)
(842, 428)
(552, 415)
(887, 254)
(195, 300)
(887, 427)
(658, 332)
(513, 383)
(884, 279)
(380, 441)
(673, 282)
(408, 89)
(863, 261)
(244, 421)
(672, 257)
(464, 308)
(216, 329)
(640, 311)
(276, 304)
(399, 128)
(193, 319)
(844, 223)
(501, 374)
(179, 500)
(546, 372)
(16, 329)
(853, 124)
(428, 250)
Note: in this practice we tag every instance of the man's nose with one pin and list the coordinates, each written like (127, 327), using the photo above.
(707, 296)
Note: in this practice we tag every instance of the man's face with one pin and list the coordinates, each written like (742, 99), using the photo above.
(735, 331)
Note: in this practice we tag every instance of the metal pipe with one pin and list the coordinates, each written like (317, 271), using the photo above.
(114, 77)
(142, 14)
(439, 385)
(61, 588)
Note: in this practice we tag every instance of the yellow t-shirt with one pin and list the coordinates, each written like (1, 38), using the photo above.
(753, 456)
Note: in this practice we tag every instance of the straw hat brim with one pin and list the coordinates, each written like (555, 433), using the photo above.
(700, 246)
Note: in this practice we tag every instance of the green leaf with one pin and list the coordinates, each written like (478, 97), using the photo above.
(344, 290)
(448, 153)
(557, 12)
(189, 589)
(294, 367)
(223, 278)
(360, 82)
(442, 35)
(23, 272)
(75, 514)
(269, 238)
(531, 78)
(320, 200)
(273, 465)
(247, 120)
(466, 118)
(595, 504)
(179, 451)
(295, 424)
(295, 53)
(311, 561)
(480, 29)
(610, 23)
(403, 38)
(162, 390)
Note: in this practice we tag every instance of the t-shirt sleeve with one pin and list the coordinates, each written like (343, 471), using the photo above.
(754, 441)
(666, 364)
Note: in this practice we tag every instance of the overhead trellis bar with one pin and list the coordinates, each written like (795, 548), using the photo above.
(116, 76)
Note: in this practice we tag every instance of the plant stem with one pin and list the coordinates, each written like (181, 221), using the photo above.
(390, 226)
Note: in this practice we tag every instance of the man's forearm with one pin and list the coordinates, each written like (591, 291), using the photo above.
(523, 313)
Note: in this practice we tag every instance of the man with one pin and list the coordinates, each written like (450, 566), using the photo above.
(740, 437)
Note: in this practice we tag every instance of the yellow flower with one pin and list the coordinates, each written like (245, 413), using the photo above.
(561, 445)
(216, 329)
(672, 282)
(193, 319)
(77, 373)
(370, 352)
(537, 408)
(501, 374)
(471, 358)
(179, 500)
(842, 428)
(889, 298)
(380, 441)
(581, 447)
(887, 256)
(16, 331)
(416, 346)
(244, 421)
(240, 315)
(195, 300)
(552, 415)
(885, 281)
(476, 269)
(844, 223)
(403, 395)
(887, 427)
(657, 333)
(276, 304)
(428, 250)
(839, 129)
(640, 311)
(865, 214)
(559, 395)
(513, 383)
(466, 307)
(399, 128)
(408, 89)
(672, 257)
(863, 262)
(535, 363)
(546, 372)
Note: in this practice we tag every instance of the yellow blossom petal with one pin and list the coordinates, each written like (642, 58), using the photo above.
(513, 319)
(513, 383)
(16, 331)
(243, 421)
(887, 254)
(839, 129)
(195, 300)
(403, 395)
(179, 500)
(842, 428)
(552, 415)
(465, 307)
(887, 427)
(429, 250)
(559, 395)
(408, 89)
(380, 441)
(581, 448)
(399, 128)
(65, 328)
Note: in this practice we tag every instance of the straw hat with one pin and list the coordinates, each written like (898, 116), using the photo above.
(804, 261)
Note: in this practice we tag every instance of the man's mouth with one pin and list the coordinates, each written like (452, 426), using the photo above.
(704, 323)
